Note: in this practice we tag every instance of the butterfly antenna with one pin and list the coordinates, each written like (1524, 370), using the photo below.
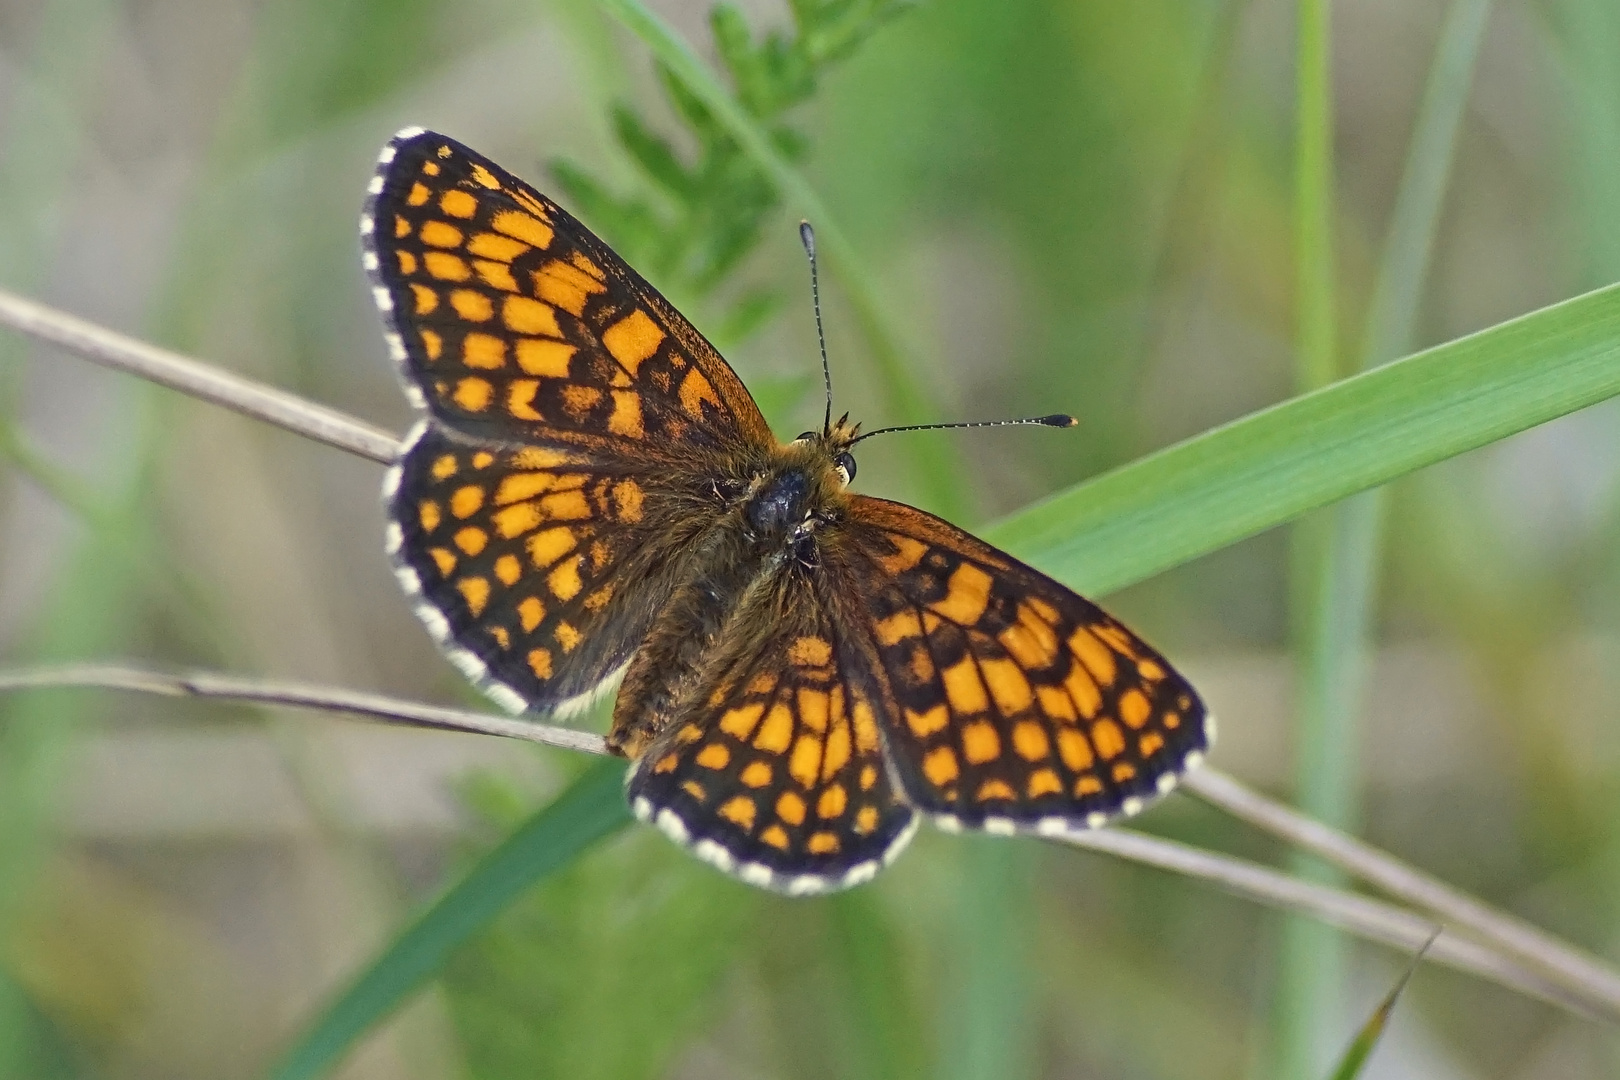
(1055, 420)
(807, 236)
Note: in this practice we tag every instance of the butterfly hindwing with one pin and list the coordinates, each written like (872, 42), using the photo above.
(774, 771)
(509, 318)
(1018, 704)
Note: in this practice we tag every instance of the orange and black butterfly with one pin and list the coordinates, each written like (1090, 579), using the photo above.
(594, 496)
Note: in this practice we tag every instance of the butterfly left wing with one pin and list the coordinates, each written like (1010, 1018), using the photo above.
(1019, 705)
(774, 771)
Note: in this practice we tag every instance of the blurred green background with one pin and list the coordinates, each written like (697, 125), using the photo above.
(1082, 206)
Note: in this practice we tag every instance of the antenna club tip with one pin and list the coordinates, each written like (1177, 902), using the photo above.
(807, 236)
(1060, 420)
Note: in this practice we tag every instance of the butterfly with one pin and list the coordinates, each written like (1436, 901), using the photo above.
(593, 498)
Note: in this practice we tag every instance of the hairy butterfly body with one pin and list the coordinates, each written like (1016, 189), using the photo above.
(593, 495)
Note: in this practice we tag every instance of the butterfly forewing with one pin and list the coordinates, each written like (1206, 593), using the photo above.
(510, 319)
(1017, 703)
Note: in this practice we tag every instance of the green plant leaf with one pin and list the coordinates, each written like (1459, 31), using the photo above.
(1269, 467)
(591, 808)
(1366, 1040)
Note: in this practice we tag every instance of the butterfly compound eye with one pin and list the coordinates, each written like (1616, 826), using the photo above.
(803, 436)
(846, 465)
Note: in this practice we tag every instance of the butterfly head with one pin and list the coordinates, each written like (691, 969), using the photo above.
(830, 448)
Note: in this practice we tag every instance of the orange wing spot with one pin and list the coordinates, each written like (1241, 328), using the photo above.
(1171, 721)
(508, 570)
(995, 789)
(1030, 740)
(1109, 739)
(626, 416)
(427, 511)
(1123, 771)
(763, 683)
(1094, 654)
(598, 600)
(1083, 690)
(775, 836)
(898, 627)
(909, 554)
(522, 315)
(539, 660)
(473, 394)
(518, 487)
(1056, 702)
(440, 234)
(578, 401)
(833, 802)
(467, 501)
(866, 734)
(940, 766)
(695, 390)
(502, 638)
(739, 810)
(432, 343)
(532, 204)
(814, 706)
(776, 733)
(967, 595)
(418, 194)
(496, 275)
(407, 262)
(483, 459)
(455, 202)
(566, 286)
(484, 177)
(868, 777)
(579, 259)
(756, 775)
(516, 520)
(964, 688)
(688, 734)
(790, 808)
(446, 267)
(499, 248)
(632, 340)
(694, 789)
(739, 722)
(1134, 708)
(714, 756)
(1149, 670)
(564, 580)
(431, 168)
(837, 755)
(566, 506)
(444, 559)
(1043, 782)
(525, 227)
(483, 351)
(980, 743)
(1044, 611)
(627, 497)
(601, 552)
(541, 356)
(667, 763)
(475, 590)
(924, 724)
(567, 636)
(1149, 744)
(530, 611)
(866, 820)
(472, 305)
(427, 301)
(1118, 637)
(810, 651)
(535, 457)
(822, 843)
(920, 666)
(1008, 686)
(1074, 749)
(805, 764)
(402, 228)
(1036, 643)
(472, 540)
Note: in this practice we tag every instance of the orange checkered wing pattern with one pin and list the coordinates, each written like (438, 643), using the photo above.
(775, 772)
(510, 320)
(1019, 706)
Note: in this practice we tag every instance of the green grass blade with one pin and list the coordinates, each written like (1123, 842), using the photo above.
(591, 808)
(1366, 1040)
(1269, 467)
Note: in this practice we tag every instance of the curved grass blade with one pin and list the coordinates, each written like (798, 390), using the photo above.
(591, 808)
(1252, 474)
(1355, 1057)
